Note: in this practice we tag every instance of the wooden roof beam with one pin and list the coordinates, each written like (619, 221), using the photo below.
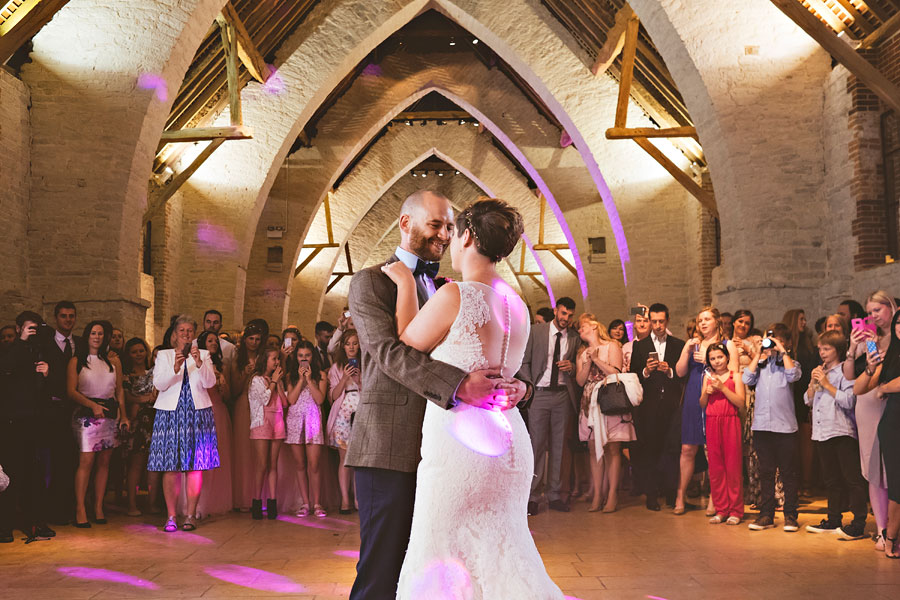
(858, 18)
(823, 12)
(26, 21)
(705, 198)
(627, 75)
(199, 134)
(247, 50)
(888, 29)
(844, 54)
(615, 41)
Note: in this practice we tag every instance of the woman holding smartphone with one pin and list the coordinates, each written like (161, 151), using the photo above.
(305, 434)
(344, 377)
(871, 336)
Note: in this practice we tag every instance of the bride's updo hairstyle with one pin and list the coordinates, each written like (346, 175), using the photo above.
(495, 227)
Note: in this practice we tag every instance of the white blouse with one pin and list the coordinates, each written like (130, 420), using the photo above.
(259, 395)
(96, 379)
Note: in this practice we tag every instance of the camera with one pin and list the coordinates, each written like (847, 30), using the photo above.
(768, 343)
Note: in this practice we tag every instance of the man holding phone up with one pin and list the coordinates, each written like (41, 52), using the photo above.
(657, 420)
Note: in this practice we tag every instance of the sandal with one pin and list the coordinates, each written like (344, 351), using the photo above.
(320, 512)
(889, 545)
(171, 525)
(733, 520)
(716, 520)
(304, 511)
(189, 524)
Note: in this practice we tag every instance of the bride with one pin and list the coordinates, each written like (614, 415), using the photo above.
(470, 538)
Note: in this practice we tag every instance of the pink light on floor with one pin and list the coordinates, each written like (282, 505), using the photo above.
(571, 598)
(107, 575)
(255, 579)
(152, 81)
(348, 553)
(656, 598)
(155, 534)
(443, 580)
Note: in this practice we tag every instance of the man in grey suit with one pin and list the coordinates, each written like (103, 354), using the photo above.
(396, 382)
(549, 363)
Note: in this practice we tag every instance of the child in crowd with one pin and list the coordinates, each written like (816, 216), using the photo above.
(831, 397)
(723, 397)
(772, 371)
(267, 397)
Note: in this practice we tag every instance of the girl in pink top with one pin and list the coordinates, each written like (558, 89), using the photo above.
(267, 398)
(722, 396)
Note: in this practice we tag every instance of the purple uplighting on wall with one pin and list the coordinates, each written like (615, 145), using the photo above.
(152, 81)
(274, 85)
(443, 580)
(255, 579)
(107, 575)
(155, 534)
(215, 237)
(372, 70)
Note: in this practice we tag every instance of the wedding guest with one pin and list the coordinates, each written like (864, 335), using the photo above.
(617, 331)
(601, 356)
(95, 383)
(7, 335)
(216, 497)
(656, 421)
(691, 364)
(722, 398)
(746, 344)
(242, 463)
(345, 323)
(24, 442)
(140, 395)
(267, 398)
(544, 314)
(212, 321)
(831, 397)
(344, 387)
(305, 431)
(57, 351)
(870, 405)
(774, 424)
(641, 324)
(184, 429)
(837, 322)
(851, 309)
(882, 373)
(117, 342)
(728, 324)
(290, 338)
(802, 350)
(549, 363)
(325, 333)
(273, 342)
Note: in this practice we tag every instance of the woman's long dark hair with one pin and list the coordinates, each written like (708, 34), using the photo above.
(217, 357)
(315, 367)
(618, 323)
(891, 368)
(743, 312)
(82, 349)
(127, 365)
(243, 356)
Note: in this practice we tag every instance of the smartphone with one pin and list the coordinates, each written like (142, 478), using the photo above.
(353, 362)
(187, 350)
(304, 364)
(653, 356)
(347, 313)
(639, 310)
(871, 347)
(287, 343)
(858, 323)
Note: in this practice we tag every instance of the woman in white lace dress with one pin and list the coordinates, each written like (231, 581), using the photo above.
(470, 536)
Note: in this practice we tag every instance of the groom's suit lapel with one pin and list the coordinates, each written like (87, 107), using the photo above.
(421, 292)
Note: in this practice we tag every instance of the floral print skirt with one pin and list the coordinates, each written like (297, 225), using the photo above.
(95, 435)
(184, 439)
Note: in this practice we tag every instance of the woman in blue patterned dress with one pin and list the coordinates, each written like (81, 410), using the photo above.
(184, 429)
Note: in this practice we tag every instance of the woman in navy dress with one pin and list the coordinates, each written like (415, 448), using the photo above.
(184, 429)
(691, 364)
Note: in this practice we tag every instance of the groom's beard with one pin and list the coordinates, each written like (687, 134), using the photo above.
(427, 248)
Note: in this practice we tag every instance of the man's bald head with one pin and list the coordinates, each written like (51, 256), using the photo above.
(426, 224)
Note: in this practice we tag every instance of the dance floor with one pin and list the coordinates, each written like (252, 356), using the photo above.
(628, 554)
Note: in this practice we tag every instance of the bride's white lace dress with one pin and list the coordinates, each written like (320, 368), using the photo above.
(470, 538)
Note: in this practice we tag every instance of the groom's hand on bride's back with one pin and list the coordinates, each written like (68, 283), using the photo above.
(488, 389)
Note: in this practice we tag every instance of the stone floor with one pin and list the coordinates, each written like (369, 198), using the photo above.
(629, 554)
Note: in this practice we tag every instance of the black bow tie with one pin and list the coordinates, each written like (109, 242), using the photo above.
(428, 269)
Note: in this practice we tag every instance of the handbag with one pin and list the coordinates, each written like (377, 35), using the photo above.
(612, 398)
(110, 404)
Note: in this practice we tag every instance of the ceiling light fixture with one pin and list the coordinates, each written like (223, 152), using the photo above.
(475, 41)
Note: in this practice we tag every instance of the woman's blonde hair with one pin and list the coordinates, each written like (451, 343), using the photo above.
(720, 327)
(599, 327)
(882, 297)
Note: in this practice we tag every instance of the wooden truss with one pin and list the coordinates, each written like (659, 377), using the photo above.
(338, 275)
(317, 248)
(541, 246)
(238, 46)
(628, 26)
(21, 19)
(843, 52)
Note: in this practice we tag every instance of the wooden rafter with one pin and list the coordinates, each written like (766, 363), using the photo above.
(341, 274)
(641, 135)
(887, 29)
(161, 196)
(247, 51)
(317, 248)
(844, 54)
(553, 249)
(23, 22)
(532, 275)
(199, 134)
(857, 17)
(615, 41)
(825, 14)
(229, 43)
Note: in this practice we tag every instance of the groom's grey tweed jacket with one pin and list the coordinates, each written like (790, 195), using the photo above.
(396, 380)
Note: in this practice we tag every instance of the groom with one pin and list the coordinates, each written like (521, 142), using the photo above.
(396, 382)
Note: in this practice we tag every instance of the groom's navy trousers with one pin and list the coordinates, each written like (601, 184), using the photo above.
(386, 501)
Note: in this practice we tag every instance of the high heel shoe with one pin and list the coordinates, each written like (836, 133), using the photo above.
(271, 508)
(256, 509)
(85, 525)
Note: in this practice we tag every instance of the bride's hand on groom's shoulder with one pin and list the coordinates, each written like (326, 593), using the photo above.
(398, 272)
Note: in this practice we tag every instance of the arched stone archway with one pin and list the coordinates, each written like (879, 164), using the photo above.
(389, 159)
(94, 134)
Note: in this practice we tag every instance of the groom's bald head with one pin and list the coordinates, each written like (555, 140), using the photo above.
(426, 224)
